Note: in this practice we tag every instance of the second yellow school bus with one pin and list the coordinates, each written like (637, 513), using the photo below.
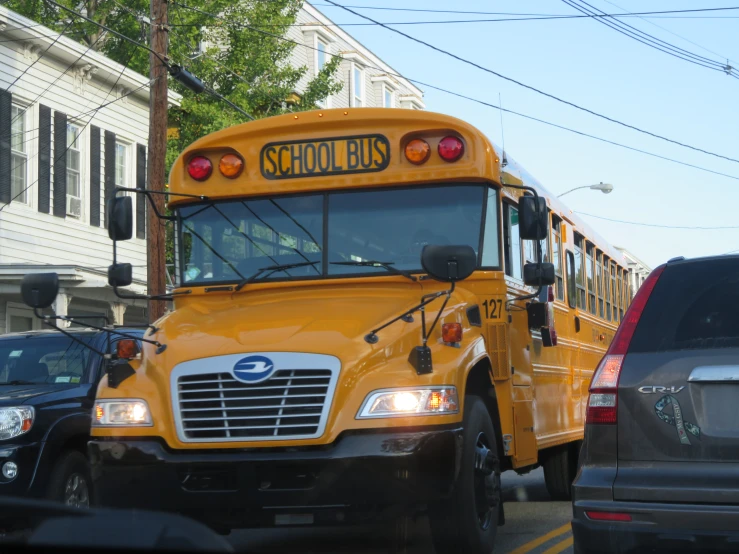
(285, 396)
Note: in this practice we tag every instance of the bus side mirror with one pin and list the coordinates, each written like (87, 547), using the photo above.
(448, 264)
(39, 290)
(535, 275)
(533, 220)
(120, 275)
(120, 218)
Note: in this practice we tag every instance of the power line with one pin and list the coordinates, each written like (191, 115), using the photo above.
(642, 224)
(532, 88)
(508, 13)
(649, 40)
(671, 32)
(476, 100)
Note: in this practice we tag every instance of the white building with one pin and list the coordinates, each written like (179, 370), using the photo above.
(367, 80)
(59, 159)
(638, 270)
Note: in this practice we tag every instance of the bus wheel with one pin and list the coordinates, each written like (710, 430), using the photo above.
(560, 469)
(467, 522)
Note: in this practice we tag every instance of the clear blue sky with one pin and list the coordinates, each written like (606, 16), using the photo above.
(587, 63)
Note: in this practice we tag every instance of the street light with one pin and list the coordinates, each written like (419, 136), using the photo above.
(605, 188)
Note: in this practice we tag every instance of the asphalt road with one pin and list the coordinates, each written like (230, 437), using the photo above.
(534, 525)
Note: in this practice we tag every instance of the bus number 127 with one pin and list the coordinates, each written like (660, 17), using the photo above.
(493, 308)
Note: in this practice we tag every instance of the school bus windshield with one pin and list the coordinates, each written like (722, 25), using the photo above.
(325, 234)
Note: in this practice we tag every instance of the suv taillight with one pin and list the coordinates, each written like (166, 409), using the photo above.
(603, 399)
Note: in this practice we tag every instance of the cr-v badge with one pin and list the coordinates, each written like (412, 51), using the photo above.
(655, 390)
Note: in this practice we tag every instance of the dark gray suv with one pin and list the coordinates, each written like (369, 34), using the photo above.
(659, 467)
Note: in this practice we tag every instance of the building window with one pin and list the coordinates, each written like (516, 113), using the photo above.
(121, 164)
(18, 155)
(74, 170)
(607, 288)
(590, 268)
(599, 282)
(512, 242)
(321, 49)
(557, 257)
(580, 271)
(387, 97)
(358, 87)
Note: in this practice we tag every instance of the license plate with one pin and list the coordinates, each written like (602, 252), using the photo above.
(318, 158)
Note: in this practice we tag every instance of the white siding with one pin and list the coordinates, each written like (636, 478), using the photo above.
(29, 236)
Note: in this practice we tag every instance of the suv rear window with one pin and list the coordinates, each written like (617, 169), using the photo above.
(695, 305)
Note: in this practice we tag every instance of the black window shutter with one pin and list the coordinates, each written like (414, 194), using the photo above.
(44, 159)
(60, 164)
(6, 100)
(140, 198)
(95, 176)
(109, 166)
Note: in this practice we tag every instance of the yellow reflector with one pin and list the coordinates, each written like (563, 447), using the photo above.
(417, 151)
(231, 166)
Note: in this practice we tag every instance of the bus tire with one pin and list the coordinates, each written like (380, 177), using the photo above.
(467, 522)
(560, 468)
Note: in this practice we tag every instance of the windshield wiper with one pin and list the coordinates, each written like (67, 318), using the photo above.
(387, 266)
(22, 382)
(267, 271)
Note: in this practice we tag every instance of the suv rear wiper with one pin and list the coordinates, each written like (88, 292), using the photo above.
(387, 266)
(267, 271)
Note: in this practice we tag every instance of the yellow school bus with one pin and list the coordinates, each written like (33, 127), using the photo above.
(361, 329)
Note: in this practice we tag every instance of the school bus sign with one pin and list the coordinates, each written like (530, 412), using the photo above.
(335, 156)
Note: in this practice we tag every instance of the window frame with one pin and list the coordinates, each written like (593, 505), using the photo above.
(607, 287)
(385, 91)
(79, 141)
(571, 282)
(590, 281)
(508, 243)
(498, 229)
(557, 260)
(22, 196)
(356, 68)
(599, 285)
(127, 159)
(319, 40)
(582, 294)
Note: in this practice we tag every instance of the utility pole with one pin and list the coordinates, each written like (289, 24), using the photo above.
(156, 257)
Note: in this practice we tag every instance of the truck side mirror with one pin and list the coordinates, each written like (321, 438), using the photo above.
(120, 275)
(448, 264)
(120, 218)
(541, 274)
(533, 220)
(39, 290)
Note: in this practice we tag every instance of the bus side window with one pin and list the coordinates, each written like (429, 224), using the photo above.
(580, 271)
(614, 292)
(557, 257)
(607, 287)
(571, 284)
(512, 242)
(599, 283)
(590, 272)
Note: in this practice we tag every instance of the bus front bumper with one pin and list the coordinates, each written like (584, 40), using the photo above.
(361, 476)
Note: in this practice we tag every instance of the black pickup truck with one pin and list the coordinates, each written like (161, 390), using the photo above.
(48, 383)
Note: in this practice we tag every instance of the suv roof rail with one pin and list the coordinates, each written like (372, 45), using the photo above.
(676, 259)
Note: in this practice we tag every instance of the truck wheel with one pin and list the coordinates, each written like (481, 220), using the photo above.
(467, 522)
(70, 482)
(560, 469)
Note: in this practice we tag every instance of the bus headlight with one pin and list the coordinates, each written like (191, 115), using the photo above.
(410, 402)
(121, 413)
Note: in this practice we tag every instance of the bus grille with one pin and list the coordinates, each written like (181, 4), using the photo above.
(291, 404)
